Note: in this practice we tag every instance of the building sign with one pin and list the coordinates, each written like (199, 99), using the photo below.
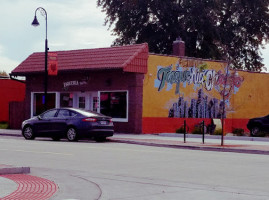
(68, 84)
(52, 64)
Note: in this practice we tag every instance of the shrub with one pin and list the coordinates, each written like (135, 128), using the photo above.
(197, 130)
(238, 132)
(218, 132)
(180, 130)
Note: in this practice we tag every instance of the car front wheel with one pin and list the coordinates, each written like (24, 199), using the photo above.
(71, 134)
(28, 133)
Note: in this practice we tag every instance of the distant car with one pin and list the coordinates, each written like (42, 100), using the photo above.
(258, 125)
(70, 123)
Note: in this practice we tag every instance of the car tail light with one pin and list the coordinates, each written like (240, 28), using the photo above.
(89, 119)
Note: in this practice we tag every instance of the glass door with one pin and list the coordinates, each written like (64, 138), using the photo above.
(82, 98)
(87, 101)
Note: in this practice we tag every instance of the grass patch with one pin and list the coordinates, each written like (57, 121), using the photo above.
(3, 125)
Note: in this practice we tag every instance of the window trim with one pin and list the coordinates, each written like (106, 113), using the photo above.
(127, 105)
(57, 96)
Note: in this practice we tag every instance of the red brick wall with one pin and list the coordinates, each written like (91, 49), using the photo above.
(105, 80)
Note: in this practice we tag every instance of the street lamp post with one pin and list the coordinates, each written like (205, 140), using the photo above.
(36, 23)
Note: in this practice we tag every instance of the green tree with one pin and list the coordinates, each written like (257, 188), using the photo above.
(3, 73)
(230, 30)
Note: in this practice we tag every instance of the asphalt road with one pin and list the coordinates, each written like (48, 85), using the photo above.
(115, 171)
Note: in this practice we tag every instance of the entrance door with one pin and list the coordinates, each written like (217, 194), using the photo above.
(87, 101)
(82, 101)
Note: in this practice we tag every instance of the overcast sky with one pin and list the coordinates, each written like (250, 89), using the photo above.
(72, 24)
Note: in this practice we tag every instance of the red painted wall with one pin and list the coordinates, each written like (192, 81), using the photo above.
(10, 90)
(169, 125)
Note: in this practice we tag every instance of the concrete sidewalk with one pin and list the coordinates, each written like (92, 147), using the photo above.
(195, 142)
(238, 144)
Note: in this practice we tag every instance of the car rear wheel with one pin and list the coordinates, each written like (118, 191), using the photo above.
(28, 133)
(71, 134)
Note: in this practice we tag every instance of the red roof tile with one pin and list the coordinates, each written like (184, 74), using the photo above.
(131, 58)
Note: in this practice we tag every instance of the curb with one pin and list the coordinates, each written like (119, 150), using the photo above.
(218, 149)
(10, 134)
(190, 147)
(243, 138)
(14, 170)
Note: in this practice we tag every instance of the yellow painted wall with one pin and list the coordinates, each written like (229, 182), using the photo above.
(249, 100)
(252, 99)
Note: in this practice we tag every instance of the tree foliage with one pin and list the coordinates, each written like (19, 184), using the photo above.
(3, 73)
(230, 30)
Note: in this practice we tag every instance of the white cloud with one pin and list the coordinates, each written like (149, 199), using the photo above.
(7, 64)
(71, 25)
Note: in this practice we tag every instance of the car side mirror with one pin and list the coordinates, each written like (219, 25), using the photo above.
(39, 117)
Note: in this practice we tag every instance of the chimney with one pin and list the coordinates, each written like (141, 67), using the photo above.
(179, 47)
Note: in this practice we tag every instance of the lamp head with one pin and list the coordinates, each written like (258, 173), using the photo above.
(35, 22)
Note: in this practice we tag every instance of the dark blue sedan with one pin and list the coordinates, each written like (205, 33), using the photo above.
(70, 123)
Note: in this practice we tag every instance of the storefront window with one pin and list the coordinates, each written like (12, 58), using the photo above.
(66, 100)
(114, 104)
(39, 101)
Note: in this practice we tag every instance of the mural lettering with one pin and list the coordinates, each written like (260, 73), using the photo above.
(207, 79)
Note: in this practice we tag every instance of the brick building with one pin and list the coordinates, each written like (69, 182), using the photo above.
(145, 92)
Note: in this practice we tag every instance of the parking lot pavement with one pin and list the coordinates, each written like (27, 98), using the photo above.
(13, 178)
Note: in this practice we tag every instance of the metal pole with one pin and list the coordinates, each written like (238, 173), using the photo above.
(223, 107)
(185, 131)
(36, 23)
(46, 62)
(46, 76)
(203, 131)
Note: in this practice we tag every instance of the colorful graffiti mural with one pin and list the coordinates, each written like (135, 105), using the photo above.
(226, 83)
(179, 88)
